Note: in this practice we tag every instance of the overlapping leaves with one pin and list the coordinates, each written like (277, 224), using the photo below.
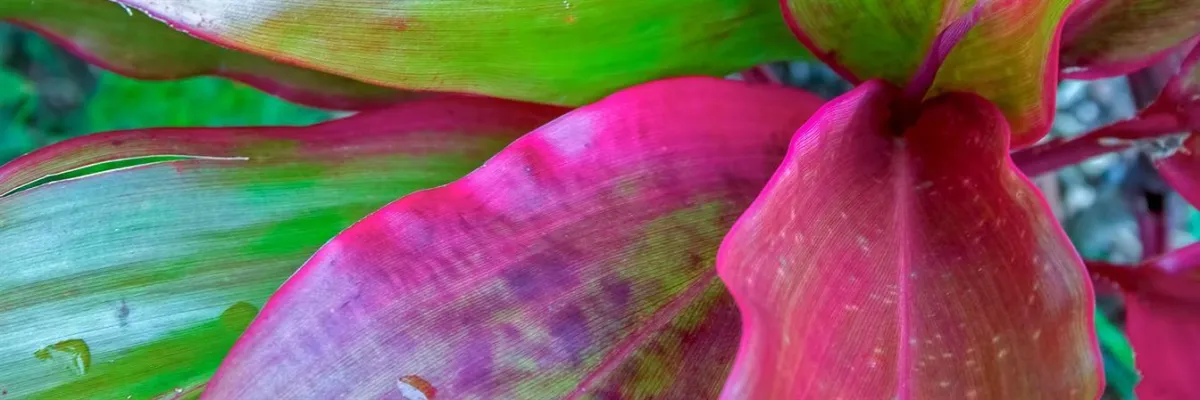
(133, 44)
(136, 281)
(577, 263)
(563, 52)
(1008, 57)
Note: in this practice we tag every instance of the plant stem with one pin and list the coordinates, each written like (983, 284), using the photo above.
(945, 41)
(1059, 153)
(1127, 277)
(1123, 277)
(1183, 259)
(761, 74)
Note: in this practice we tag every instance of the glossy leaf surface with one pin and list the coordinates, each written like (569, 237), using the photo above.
(1162, 302)
(563, 52)
(1104, 38)
(136, 281)
(919, 266)
(133, 44)
(577, 263)
(1009, 57)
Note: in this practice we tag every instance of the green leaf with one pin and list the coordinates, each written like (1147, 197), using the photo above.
(135, 281)
(1120, 372)
(1008, 57)
(133, 44)
(553, 51)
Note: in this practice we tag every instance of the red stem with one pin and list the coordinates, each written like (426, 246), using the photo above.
(1128, 277)
(1059, 153)
(1123, 277)
(1182, 259)
(761, 74)
(942, 45)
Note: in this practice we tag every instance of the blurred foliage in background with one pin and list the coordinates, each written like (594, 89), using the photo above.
(47, 95)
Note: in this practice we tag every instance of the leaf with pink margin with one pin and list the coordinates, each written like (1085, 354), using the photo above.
(877, 265)
(152, 271)
(577, 263)
(132, 44)
(1105, 38)
(1172, 82)
(566, 52)
(1162, 304)
(1008, 57)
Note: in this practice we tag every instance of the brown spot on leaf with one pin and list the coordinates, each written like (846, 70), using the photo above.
(123, 314)
(413, 387)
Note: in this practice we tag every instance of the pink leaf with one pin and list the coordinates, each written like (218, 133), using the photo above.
(578, 262)
(1104, 38)
(1162, 302)
(920, 264)
(1008, 52)
(150, 251)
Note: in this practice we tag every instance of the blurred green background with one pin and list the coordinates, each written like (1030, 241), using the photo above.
(47, 95)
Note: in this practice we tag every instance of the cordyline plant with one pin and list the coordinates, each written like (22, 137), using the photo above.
(670, 237)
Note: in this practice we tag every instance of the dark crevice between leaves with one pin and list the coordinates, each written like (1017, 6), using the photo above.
(110, 166)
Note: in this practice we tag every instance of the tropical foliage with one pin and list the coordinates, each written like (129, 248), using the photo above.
(543, 199)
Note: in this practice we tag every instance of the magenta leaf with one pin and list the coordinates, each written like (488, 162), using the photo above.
(148, 252)
(920, 264)
(1162, 303)
(576, 263)
(1176, 109)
